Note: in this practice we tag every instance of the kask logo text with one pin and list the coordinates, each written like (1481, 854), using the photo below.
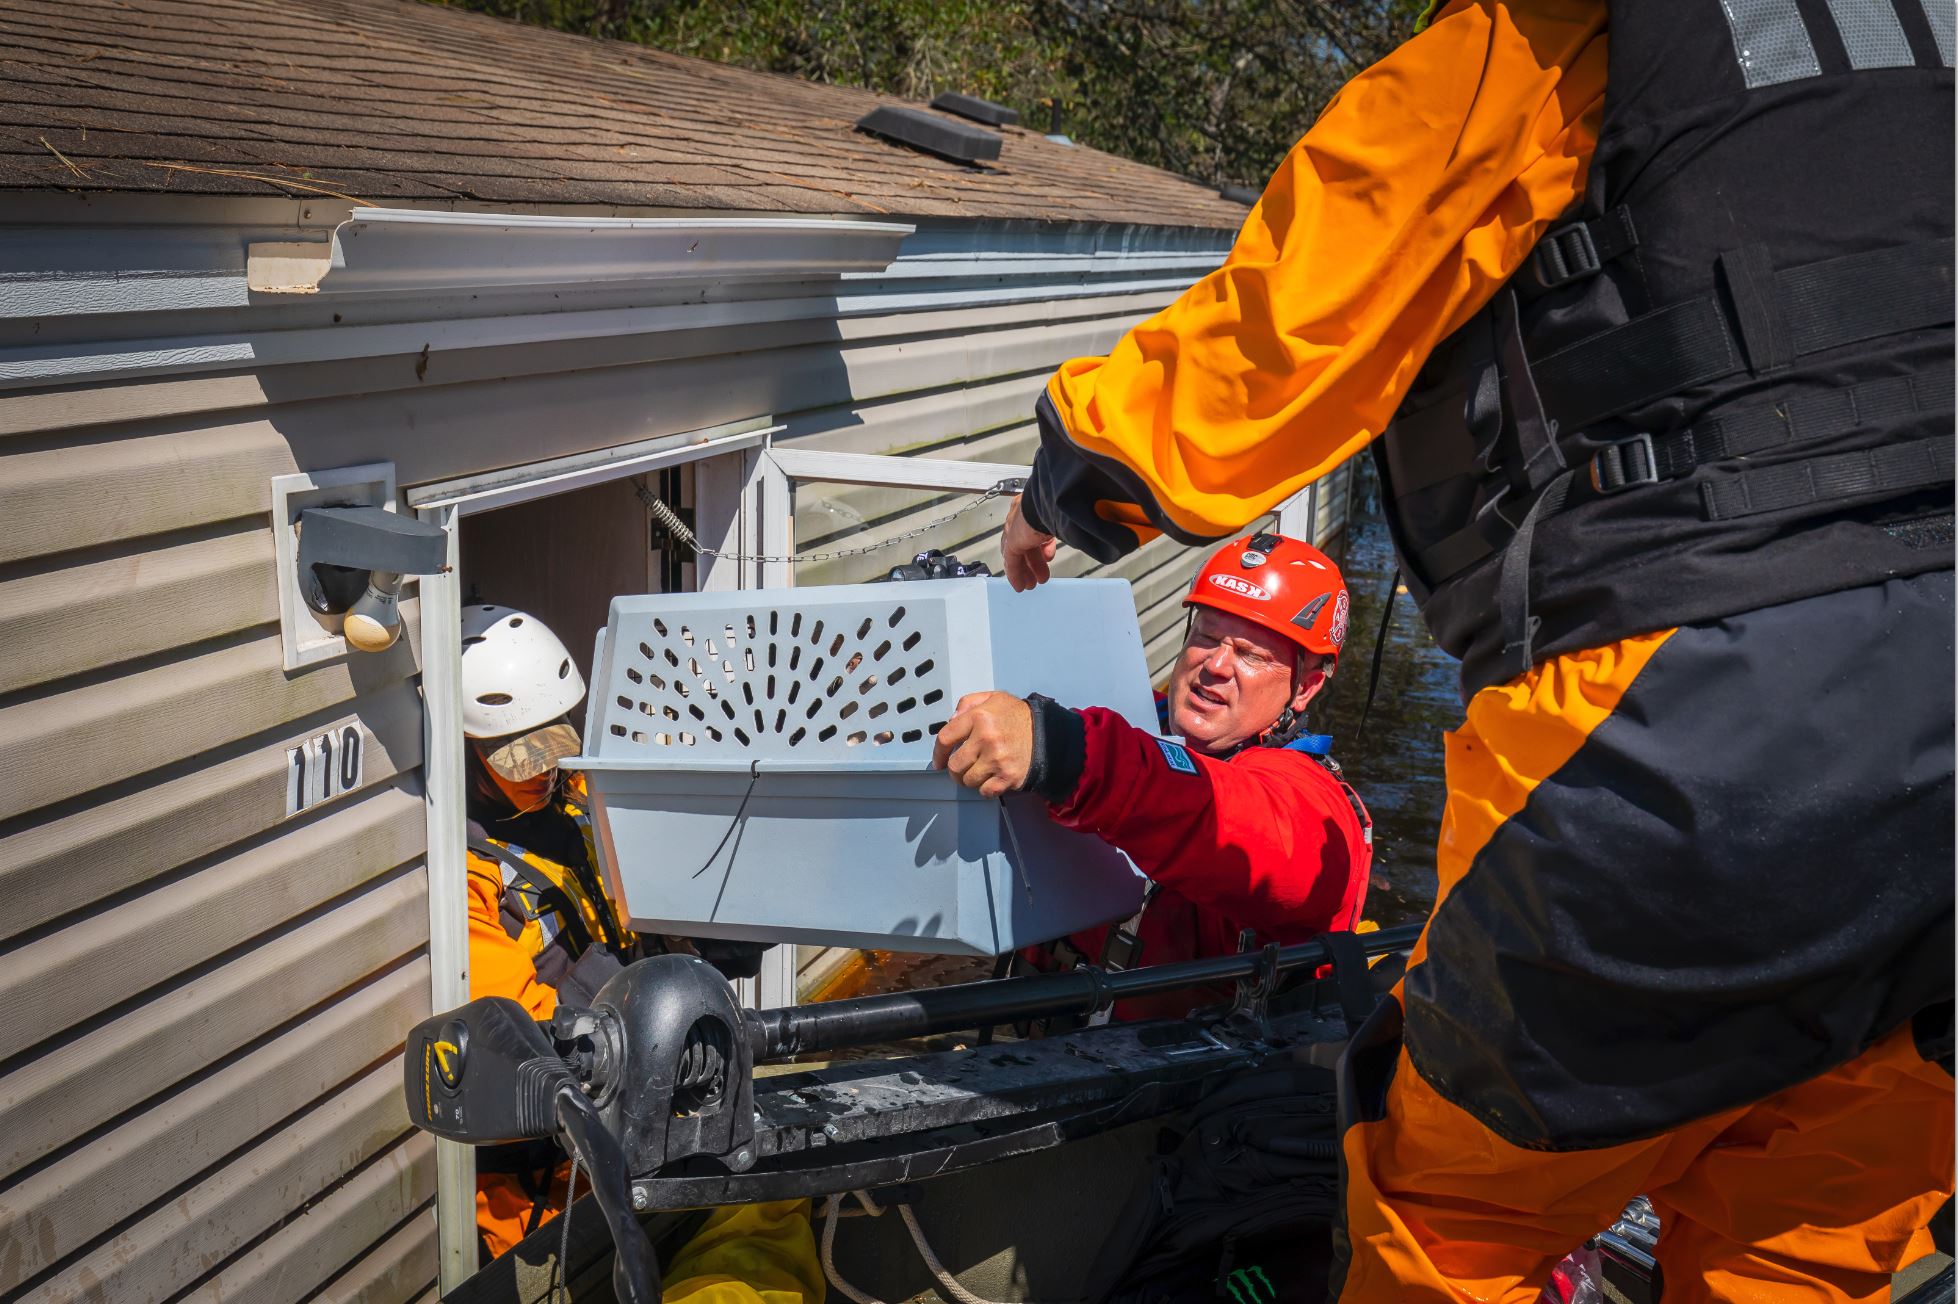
(1242, 587)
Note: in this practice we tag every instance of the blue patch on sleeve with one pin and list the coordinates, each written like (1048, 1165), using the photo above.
(1177, 756)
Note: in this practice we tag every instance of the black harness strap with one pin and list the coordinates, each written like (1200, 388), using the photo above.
(1747, 274)
(1355, 989)
(1779, 315)
(1537, 460)
(1889, 468)
(1578, 251)
(1457, 552)
(1514, 435)
(1519, 627)
(548, 894)
(1749, 430)
(1863, 296)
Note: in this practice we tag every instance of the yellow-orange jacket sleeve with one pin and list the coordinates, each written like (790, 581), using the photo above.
(1420, 189)
(498, 963)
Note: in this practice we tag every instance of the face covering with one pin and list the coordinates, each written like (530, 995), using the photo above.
(526, 795)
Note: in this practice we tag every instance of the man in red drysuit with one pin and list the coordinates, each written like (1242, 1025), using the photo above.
(1246, 824)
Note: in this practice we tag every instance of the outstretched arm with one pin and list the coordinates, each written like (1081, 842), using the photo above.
(1421, 188)
(1265, 839)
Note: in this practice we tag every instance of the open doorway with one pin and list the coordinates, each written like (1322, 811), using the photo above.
(565, 557)
(559, 540)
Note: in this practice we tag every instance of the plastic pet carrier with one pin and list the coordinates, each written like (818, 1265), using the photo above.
(760, 763)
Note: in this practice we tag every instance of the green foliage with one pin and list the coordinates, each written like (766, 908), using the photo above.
(1213, 89)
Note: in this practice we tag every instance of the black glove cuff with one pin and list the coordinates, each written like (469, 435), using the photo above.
(1060, 750)
(1029, 496)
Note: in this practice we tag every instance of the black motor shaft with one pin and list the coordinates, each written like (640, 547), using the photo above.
(867, 1020)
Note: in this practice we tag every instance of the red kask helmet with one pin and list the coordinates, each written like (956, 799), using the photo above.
(1286, 585)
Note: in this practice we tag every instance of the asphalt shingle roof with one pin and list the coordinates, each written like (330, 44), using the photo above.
(397, 101)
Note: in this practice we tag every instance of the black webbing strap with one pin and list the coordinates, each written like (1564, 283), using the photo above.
(1433, 427)
(1779, 315)
(548, 894)
(1519, 627)
(1578, 251)
(1350, 979)
(1888, 468)
(1747, 274)
(1454, 553)
(1514, 435)
(1534, 458)
(1749, 430)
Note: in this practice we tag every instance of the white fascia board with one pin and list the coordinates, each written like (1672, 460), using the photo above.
(489, 490)
(939, 473)
(409, 251)
(1188, 267)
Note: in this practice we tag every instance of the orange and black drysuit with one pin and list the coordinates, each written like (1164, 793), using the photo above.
(1662, 380)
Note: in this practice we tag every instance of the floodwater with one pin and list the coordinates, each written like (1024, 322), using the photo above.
(1395, 765)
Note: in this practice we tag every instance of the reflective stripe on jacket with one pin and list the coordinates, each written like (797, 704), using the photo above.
(521, 939)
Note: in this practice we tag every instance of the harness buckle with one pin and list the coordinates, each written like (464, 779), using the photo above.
(1565, 255)
(1626, 464)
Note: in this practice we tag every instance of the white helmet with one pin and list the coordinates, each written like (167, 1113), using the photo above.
(516, 674)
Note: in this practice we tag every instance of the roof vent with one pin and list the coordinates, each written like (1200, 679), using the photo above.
(1239, 195)
(971, 106)
(934, 135)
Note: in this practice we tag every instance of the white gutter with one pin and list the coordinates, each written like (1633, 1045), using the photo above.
(410, 251)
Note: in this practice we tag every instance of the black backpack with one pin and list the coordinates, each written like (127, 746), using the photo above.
(1242, 1193)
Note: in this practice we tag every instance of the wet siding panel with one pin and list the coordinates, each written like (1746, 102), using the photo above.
(110, 728)
(61, 1206)
(394, 1269)
(360, 1130)
(170, 926)
(204, 990)
(79, 1081)
(135, 600)
(285, 1267)
(115, 838)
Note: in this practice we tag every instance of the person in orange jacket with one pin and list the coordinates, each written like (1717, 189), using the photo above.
(1645, 312)
(1247, 823)
(541, 928)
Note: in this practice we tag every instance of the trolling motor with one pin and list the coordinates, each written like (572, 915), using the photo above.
(653, 1087)
(668, 1025)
